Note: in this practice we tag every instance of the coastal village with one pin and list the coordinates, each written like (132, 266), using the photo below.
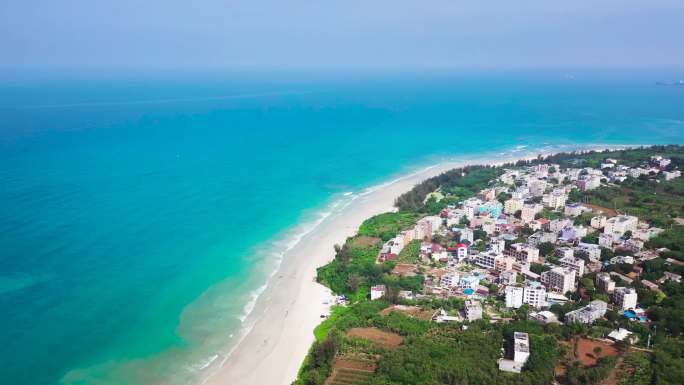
(531, 247)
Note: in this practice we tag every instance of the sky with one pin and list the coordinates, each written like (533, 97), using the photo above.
(167, 34)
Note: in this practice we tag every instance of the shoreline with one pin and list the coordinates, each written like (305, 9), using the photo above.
(284, 315)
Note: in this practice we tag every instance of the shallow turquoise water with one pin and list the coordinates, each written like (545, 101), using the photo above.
(139, 213)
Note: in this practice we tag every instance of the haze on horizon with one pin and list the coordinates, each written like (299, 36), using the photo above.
(170, 34)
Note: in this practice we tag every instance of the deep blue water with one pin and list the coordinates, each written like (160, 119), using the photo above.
(140, 212)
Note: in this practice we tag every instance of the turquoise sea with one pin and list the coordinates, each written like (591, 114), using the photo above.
(141, 213)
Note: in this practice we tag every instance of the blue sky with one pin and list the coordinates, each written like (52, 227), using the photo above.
(341, 34)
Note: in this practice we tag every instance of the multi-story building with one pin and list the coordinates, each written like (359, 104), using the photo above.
(576, 264)
(588, 314)
(625, 298)
(521, 347)
(508, 277)
(467, 235)
(592, 250)
(514, 296)
(559, 279)
(555, 200)
(523, 252)
(573, 209)
(598, 222)
(472, 310)
(589, 183)
(521, 353)
(537, 187)
(512, 205)
(604, 283)
(564, 252)
(535, 295)
(620, 225)
(529, 211)
(487, 260)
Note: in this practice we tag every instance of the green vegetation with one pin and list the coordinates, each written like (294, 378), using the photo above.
(388, 225)
(594, 375)
(637, 369)
(457, 185)
(410, 252)
(672, 239)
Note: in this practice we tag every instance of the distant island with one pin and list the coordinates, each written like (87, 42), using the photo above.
(679, 83)
(564, 269)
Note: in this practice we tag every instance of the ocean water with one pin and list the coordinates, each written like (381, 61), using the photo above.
(142, 214)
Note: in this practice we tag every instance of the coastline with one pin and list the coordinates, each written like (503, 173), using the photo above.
(284, 316)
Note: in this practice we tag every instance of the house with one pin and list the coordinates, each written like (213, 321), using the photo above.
(650, 285)
(659, 161)
(619, 334)
(671, 277)
(573, 209)
(588, 314)
(378, 292)
(672, 175)
(544, 316)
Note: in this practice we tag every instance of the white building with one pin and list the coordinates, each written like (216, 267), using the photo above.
(535, 295)
(604, 283)
(521, 353)
(555, 200)
(487, 260)
(573, 209)
(467, 235)
(559, 279)
(620, 225)
(598, 222)
(514, 296)
(473, 310)
(378, 292)
(537, 187)
(588, 314)
(529, 211)
(625, 298)
(512, 205)
(672, 175)
(591, 249)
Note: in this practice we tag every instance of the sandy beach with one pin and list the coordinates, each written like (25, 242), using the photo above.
(272, 352)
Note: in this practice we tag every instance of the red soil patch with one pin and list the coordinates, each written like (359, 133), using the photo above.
(411, 311)
(366, 366)
(605, 211)
(584, 351)
(377, 336)
(404, 269)
(352, 371)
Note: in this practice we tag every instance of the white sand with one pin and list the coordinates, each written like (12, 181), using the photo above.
(290, 308)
